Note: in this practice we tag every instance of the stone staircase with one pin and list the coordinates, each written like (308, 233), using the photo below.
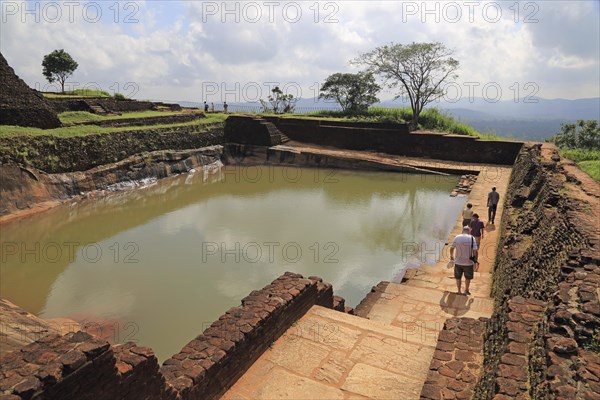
(417, 339)
(277, 137)
(97, 108)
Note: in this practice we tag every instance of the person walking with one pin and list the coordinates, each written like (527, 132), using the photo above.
(477, 229)
(467, 215)
(225, 107)
(492, 204)
(465, 248)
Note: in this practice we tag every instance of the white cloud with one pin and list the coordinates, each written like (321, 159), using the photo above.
(175, 46)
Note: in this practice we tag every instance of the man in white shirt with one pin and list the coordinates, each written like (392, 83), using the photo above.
(465, 248)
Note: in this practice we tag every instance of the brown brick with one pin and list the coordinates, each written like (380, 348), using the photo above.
(431, 392)
(446, 336)
(508, 387)
(442, 356)
(28, 387)
(462, 355)
(513, 359)
(518, 348)
(446, 371)
(456, 366)
(511, 372)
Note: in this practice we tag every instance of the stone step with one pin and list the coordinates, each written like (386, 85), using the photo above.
(333, 355)
(98, 109)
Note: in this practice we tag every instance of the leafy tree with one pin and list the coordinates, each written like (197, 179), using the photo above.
(279, 103)
(417, 70)
(58, 66)
(582, 135)
(354, 92)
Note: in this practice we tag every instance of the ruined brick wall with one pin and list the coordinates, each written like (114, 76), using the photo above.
(544, 278)
(55, 154)
(78, 366)
(456, 363)
(251, 130)
(112, 105)
(20, 105)
(384, 137)
(207, 366)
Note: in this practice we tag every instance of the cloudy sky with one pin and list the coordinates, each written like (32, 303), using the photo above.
(238, 50)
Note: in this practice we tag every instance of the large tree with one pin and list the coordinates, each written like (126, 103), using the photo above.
(417, 70)
(58, 66)
(353, 92)
(582, 135)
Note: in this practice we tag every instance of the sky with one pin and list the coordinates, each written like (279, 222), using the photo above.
(239, 50)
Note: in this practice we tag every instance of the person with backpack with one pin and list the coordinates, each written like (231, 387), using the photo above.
(465, 249)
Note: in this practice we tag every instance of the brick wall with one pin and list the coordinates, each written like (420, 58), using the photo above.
(78, 366)
(456, 363)
(396, 139)
(546, 316)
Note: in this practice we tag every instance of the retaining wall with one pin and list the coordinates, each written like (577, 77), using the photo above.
(396, 139)
(55, 154)
(78, 366)
(113, 105)
(546, 271)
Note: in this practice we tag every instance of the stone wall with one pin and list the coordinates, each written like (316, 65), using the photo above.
(396, 139)
(251, 130)
(208, 365)
(545, 276)
(23, 188)
(78, 366)
(56, 154)
(20, 105)
(242, 154)
(112, 105)
(456, 363)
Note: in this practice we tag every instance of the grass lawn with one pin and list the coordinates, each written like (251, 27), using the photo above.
(82, 130)
(71, 117)
(588, 160)
(77, 93)
(591, 167)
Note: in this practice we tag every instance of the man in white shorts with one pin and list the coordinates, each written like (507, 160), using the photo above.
(465, 247)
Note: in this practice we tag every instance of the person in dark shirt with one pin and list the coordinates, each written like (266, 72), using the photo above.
(492, 204)
(477, 229)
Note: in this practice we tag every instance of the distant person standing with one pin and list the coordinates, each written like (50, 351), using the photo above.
(492, 204)
(212, 107)
(467, 215)
(205, 107)
(465, 248)
(225, 107)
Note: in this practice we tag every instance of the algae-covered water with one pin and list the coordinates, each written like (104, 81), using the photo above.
(157, 265)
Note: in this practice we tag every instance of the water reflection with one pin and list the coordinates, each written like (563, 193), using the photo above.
(170, 258)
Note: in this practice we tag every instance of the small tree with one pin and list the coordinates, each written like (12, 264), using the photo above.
(354, 92)
(417, 70)
(58, 66)
(582, 135)
(279, 103)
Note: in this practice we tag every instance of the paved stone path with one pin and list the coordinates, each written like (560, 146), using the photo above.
(331, 355)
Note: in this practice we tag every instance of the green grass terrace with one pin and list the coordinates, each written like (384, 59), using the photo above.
(74, 124)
